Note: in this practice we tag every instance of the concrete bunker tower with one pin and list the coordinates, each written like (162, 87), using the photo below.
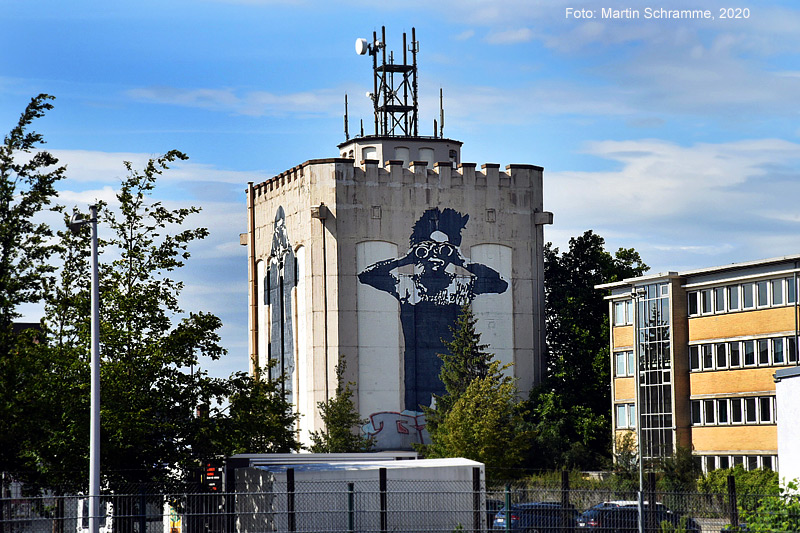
(368, 258)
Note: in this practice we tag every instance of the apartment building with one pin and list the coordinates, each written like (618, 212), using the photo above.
(694, 356)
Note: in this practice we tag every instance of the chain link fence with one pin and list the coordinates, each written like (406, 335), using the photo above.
(365, 506)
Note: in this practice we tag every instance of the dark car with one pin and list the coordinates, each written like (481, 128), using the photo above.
(536, 517)
(625, 519)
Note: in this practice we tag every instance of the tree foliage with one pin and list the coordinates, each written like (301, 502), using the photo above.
(465, 360)
(342, 433)
(479, 416)
(483, 424)
(570, 411)
(774, 513)
(259, 418)
(27, 189)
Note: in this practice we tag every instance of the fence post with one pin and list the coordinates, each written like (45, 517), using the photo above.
(650, 510)
(734, 505)
(565, 514)
(142, 509)
(351, 507)
(384, 506)
(290, 498)
(507, 520)
(476, 499)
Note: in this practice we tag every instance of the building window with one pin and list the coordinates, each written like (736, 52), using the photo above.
(724, 461)
(791, 348)
(777, 351)
(763, 352)
(709, 411)
(762, 293)
(733, 297)
(705, 301)
(736, 411)
(722, 412)
(692, 297)
(790, 291)
(765, 409)
(748, 301)
(623, 313)
(624, 363)
(735, 358)
(708, 357)
(696, 408)
(749, 353)
(721, 355)
(750, 413)
(626, 416)
(694, 357)
(777, 291)
(719, 300)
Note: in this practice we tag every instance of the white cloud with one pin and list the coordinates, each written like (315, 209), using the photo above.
(519, 35)
(714, 202)
(253, 103)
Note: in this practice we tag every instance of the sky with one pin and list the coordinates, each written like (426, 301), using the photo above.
(676, 136)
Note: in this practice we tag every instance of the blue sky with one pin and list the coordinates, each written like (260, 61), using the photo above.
(677, 137)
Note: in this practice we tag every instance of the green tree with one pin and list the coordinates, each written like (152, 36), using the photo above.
(483, 424)
(570, 411)
(775, 513)
(27, 188)
(259, 418)
(465, 360)
(342, 433)
(151, 380)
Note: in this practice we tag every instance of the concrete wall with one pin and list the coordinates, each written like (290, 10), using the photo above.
(382, 270)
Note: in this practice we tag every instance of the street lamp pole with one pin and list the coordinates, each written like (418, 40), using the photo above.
(636, 294)
(75, 223)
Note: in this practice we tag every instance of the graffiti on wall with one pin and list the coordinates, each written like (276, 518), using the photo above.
(279, 281)
(397, 431)
(432, 281)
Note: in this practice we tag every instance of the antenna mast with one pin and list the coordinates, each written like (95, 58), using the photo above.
(394, 84)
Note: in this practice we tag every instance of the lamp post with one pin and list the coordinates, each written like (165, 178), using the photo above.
(636, 294)
(76, 221)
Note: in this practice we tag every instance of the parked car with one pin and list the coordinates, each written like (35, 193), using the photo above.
(492, 506)
(625, 519)
(536, 517)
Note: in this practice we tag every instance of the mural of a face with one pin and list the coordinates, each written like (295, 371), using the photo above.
(431, 297)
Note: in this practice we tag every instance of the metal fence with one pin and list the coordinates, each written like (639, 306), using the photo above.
(357, 506)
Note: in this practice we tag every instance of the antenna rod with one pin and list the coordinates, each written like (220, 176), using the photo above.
(414, 83)
(405, 87)
(441, 114)
(346, 132)
(385, 87)
(375, 79)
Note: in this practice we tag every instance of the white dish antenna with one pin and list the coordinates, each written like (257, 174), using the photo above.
(362, 46)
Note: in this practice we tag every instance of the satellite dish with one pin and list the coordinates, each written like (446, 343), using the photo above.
(362, 47)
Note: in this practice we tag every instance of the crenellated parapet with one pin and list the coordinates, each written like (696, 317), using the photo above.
(443, 175)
